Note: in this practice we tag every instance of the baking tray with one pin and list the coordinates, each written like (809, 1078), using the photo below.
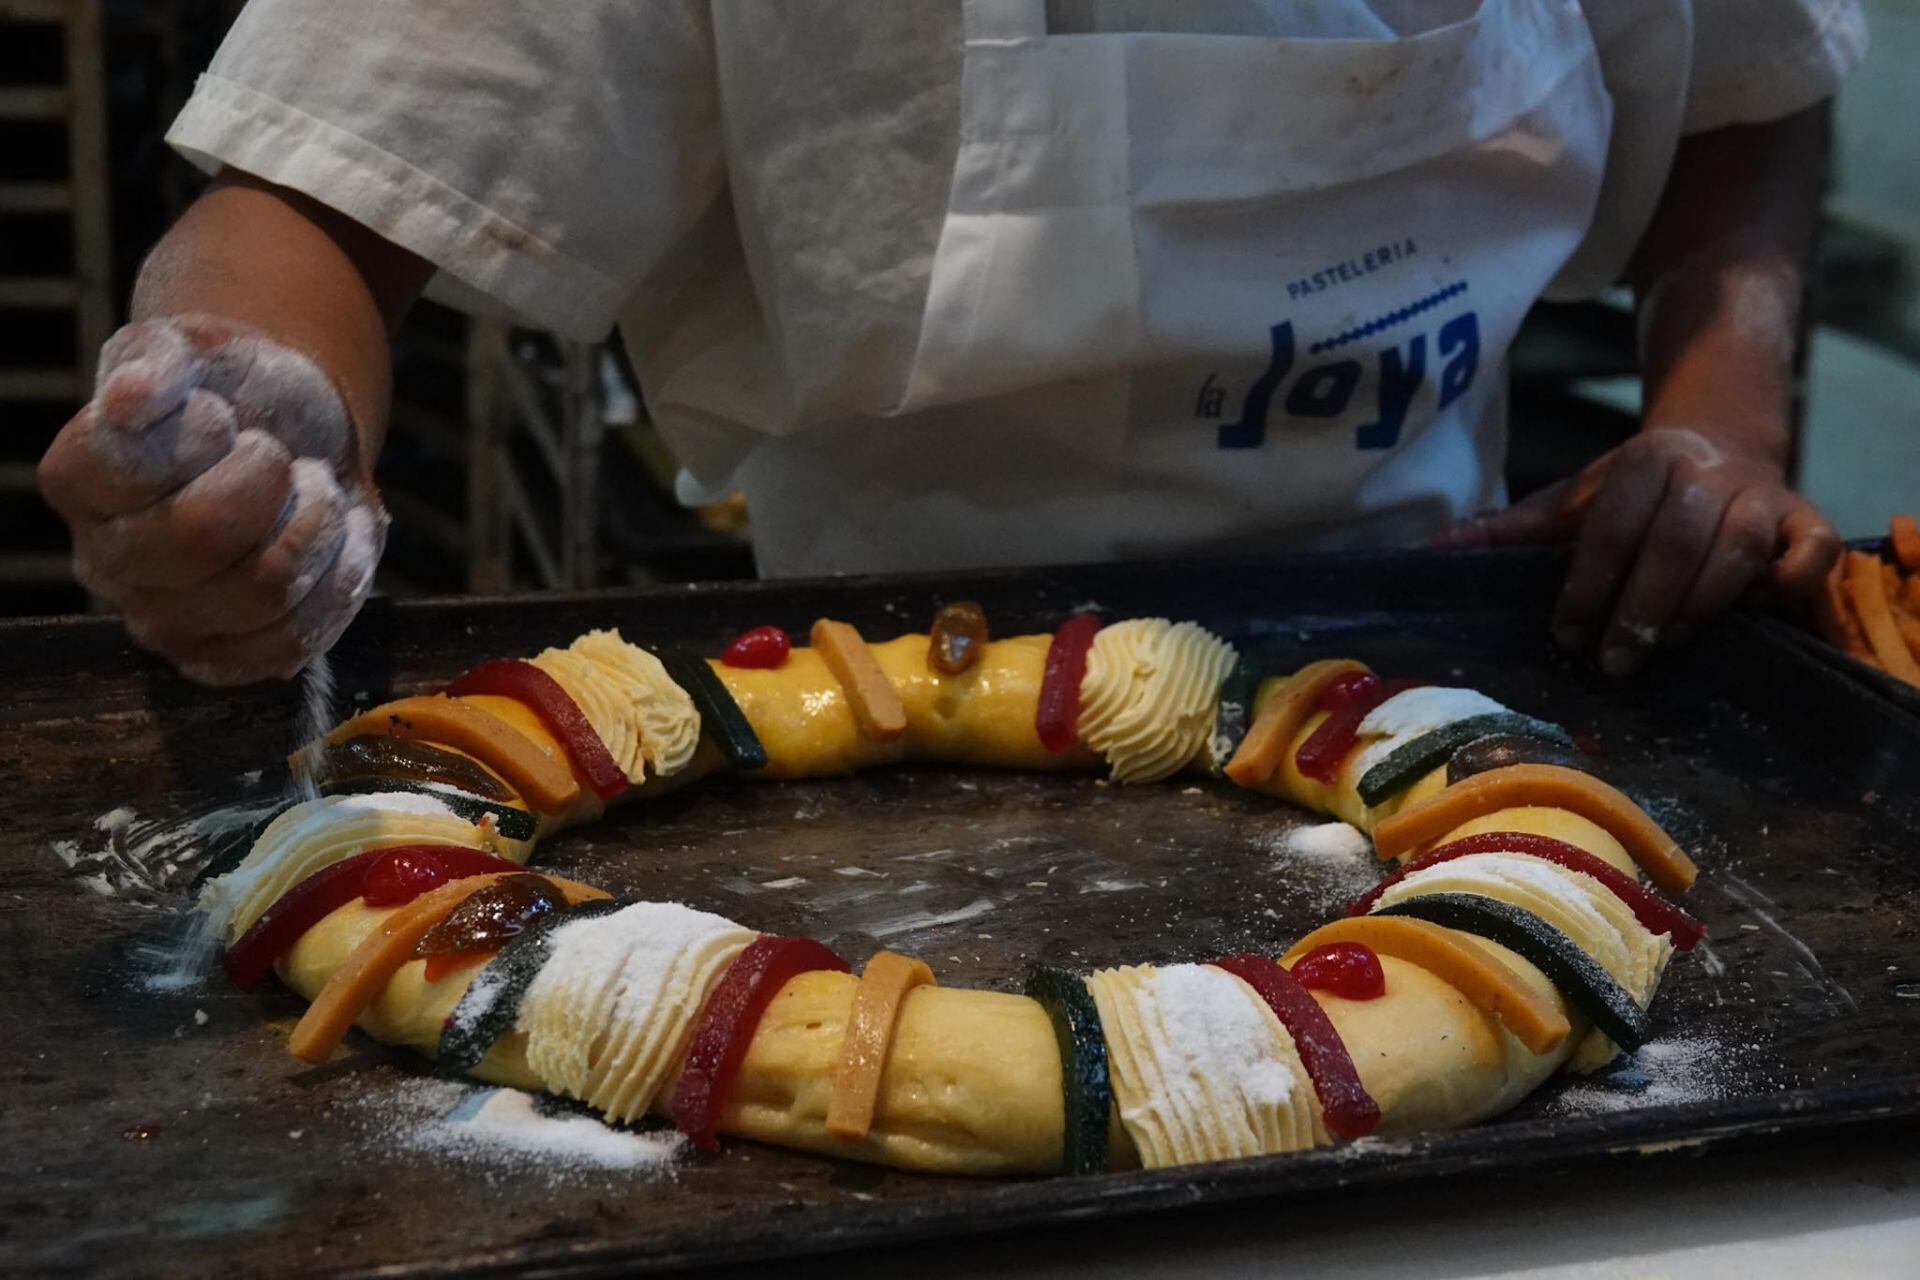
(168, 1133)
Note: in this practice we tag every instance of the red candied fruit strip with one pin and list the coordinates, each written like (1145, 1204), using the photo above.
(1322, 754)
(727, 1025)
(1057, 718)
(421, 867)
(300, 908)
(1648, 907)
(404, 872)
(542, 694)
(1349, 970)
(1349, 1110)
(764, 648)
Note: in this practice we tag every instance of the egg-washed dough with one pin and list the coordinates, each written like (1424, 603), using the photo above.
(983, 716)
(972, 1083)
(973, 1079)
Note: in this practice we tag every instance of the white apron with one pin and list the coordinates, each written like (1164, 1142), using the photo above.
(1203, 293)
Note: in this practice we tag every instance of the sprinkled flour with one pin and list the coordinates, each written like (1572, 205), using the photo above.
(610, 989)
(1661, 1073)
(1318, 867)
(506, 1127)
(1201, 1070)
(1211, 1039)
(316, 718)
(147, 859)
(1328, 842)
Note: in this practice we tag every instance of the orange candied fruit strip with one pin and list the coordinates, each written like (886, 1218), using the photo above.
(1548, 786)
(884, 985)
(1486, 982)
(1264, 749)
(875, 702)
(547, 784)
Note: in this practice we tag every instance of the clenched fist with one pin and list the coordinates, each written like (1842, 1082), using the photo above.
(216, 497)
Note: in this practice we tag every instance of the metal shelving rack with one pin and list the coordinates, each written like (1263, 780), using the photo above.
(74, 293)
(533, 487)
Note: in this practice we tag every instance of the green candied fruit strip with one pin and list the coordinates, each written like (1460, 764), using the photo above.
(1408, 763)
(1578, 975)
(720, 716)
(1240, 691)
(1083, 1064)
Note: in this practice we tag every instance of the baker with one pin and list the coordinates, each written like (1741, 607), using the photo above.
(985, 282)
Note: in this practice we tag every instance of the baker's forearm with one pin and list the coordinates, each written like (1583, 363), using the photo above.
(282, 264)
(1719, 280)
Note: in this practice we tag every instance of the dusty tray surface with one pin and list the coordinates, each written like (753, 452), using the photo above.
(1796, 788)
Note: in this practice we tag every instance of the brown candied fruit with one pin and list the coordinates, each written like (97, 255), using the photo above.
(959, 637)
(488, 918)
(374, 755)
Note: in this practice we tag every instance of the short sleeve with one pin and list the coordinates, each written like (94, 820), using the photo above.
(1759, 60)
(545, 155)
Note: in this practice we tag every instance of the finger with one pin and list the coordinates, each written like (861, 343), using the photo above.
(262, 588)
(68, 470)
(1742, 549)
(283, 393)
(1539, 517)
(1811, 548)
(280, 650)
(1609, 542)
(1672, 553)
(194, 533)
(146, 372)
(93, 471)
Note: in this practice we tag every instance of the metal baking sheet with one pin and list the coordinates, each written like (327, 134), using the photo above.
(158, 1132)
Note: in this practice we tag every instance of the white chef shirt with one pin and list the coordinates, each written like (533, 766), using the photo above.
(571, 161)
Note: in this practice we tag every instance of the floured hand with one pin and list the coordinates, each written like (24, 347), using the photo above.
(1669, 531)
(215, 495)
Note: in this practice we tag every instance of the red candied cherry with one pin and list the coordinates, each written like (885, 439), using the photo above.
(1347, 969)
(763, 647)
(402, 876)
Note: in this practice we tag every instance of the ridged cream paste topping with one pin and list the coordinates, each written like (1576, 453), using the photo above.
(645, 719)
(609, 1013)
(1150, 697)
(1406, 716)
(318, 833)
(1574, 903)
(1201, 1067)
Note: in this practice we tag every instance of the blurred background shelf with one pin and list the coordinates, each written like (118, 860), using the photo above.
(56, 268)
